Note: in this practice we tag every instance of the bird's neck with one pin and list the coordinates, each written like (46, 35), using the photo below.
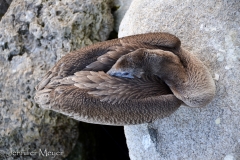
(172, 76)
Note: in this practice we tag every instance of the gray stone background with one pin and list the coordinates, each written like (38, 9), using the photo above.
(211, 30)
(34, 34)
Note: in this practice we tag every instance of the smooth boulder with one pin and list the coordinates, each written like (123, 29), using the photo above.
(209, 29)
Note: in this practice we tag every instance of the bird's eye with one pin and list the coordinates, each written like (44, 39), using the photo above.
(125, 73)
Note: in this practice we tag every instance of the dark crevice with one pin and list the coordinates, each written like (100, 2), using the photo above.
(23, 50)
(11, 55)
(5, 46)
(42, 24)
(114, 9)
(22, 32)
(24, 29)
(113, 35)
(153, 135)
(39, 8)
(58, 13)
(100, 142)
(1, 15)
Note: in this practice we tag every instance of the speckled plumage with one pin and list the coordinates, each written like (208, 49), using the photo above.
(79, 87)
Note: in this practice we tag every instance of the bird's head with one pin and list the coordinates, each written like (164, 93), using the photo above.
(130, 65)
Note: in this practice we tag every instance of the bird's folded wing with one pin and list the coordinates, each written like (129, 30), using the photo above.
(107, 60)
(117, 90)
(129, 44)
(101, 56)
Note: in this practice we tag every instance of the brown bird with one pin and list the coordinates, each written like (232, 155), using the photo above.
(149, 77)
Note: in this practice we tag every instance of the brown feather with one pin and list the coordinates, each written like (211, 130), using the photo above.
(70, 88)
(110, 88)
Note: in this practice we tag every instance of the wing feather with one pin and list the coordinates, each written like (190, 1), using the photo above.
(116, 90)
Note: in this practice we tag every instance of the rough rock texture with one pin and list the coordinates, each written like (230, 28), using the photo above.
(34, 34)
(209, 29)
(120, 7)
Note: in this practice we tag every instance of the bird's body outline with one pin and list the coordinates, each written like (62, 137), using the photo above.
(56, 90)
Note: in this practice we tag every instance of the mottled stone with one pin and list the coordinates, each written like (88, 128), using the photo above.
(210, 29)
(34, 35)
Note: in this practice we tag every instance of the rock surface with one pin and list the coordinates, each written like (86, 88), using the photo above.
(120, 7)
(209, 29)
(34, 34)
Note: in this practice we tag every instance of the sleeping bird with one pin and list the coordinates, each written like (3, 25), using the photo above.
(130, 80)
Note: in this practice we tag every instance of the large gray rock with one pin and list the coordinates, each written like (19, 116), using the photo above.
(120, 7)
(210, 29)
(34, 34)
